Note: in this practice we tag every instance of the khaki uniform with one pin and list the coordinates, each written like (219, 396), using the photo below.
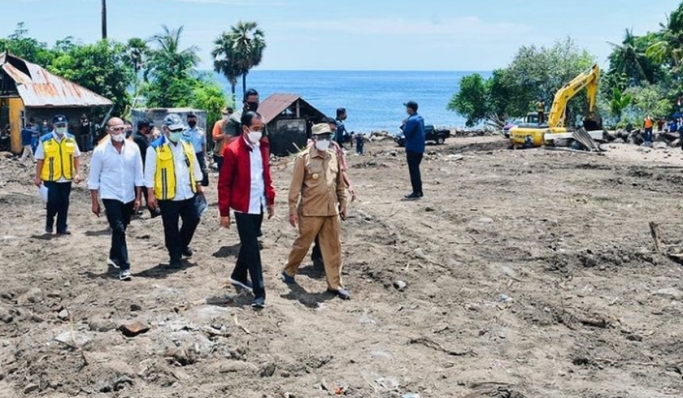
(316, 194)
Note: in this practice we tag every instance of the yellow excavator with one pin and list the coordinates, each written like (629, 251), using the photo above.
(537, 135)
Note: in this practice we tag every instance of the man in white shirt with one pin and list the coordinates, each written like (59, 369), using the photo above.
(173, 180)
(116, 177)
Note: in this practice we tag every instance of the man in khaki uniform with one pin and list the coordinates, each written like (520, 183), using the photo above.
(317, 200)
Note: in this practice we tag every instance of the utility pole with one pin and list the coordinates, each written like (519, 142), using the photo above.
(104, 19)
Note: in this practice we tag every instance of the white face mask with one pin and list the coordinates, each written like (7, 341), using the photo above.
(118, 137)
(175, 137)
(255, 136)
(60, 130)
(322, 145)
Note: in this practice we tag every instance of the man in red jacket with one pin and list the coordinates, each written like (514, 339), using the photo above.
(245, 186)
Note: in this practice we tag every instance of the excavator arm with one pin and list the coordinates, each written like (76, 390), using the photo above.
(587, 80)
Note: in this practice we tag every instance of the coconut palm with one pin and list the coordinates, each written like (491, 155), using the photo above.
(627, 58)
(136, 57)
(225, 62)
(168, 50)
(248, 43)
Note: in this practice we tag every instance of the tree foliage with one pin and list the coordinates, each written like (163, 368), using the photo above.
(471, 100)
(208, 95)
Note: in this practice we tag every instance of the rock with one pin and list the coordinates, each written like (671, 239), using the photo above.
(33, 296)
(238, 367)
(429, 209)
(400, 285)
(74, 339)
(133, 329)
(6, 155)
(184, 356)
(268, 370)
(455, 157)
(31, 388)
(99, 324)
(419, 253)
(135, 307)
(410, 395)
(660, 145)
(669, 292)
(504, 298)
(485, 220)
(472, 307)
(63, 315)
(5, 315)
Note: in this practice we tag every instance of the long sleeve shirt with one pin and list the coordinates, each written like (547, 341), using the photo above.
(183, 183)
(414, 131)
(317, 188)
(116, 174)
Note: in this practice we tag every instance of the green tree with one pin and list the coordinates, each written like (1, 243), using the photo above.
(208, 95)
(170, 70)
(99, 67)
(225, 62)
(248, 43)
(650, 100)
(619, 102)
(136, 57)
(471, 100)
(28, 48)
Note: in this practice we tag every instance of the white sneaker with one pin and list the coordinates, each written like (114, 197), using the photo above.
(125, 275)
(112, 263)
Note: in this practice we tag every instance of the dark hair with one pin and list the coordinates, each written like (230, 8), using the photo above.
(230, 109)
(142, 123)
(248, 118)
(191, 115)
(341, 111)
(31, 120)
(249, 93)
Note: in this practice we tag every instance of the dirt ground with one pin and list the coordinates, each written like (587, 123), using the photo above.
(528, 274)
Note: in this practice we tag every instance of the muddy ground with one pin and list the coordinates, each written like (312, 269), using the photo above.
(529, 274)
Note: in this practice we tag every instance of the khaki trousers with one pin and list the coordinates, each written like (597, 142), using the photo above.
(327, 230)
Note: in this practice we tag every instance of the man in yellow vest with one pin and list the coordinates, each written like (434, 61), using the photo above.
(173, 180)
(58, 164)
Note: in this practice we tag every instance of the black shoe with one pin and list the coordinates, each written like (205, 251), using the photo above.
(188, 252)
(258, 303)
(175, 263)
(413, 196)
(63, 233)
(341, 293)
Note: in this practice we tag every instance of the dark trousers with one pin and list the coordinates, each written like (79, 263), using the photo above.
(414, 160)
(249, 258)
(57, 205)
(219, 162)
(359, 149)
(202, 165)
(118, 215)
(541, 117)
(178, 238)
(648, 134)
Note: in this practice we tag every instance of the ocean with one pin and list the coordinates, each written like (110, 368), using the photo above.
(373, 99)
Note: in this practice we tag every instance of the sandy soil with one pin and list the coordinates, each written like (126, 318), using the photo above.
(529, 274)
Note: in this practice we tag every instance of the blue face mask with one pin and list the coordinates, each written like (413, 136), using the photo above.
(60, 130)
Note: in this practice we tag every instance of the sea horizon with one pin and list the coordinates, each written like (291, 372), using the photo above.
(373, 98)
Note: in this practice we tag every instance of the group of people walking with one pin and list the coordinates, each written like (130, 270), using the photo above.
(169, 174)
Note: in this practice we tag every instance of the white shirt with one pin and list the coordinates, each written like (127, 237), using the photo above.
(257, 193)
(116, 174)
(183, 187)
(40, 152)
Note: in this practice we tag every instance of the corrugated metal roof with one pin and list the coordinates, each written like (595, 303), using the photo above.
(43, 89)
(274, 105)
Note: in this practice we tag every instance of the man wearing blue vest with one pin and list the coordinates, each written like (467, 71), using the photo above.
(58, 164)
(414, 131)
(173, 180)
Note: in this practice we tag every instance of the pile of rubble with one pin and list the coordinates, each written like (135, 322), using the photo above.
(637, 137)
(479, 132)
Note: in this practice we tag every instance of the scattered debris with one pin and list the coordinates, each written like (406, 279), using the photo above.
(400, 285)
(134, 328)
(429, 343)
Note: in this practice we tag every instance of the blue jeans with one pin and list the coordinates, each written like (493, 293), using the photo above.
(648, 134)
(57, 205)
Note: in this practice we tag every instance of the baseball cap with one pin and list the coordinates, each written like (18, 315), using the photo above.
(59, 119)
(411, 104)
(173, 122)
(320, 129)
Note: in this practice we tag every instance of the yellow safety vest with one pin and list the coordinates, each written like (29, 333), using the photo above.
(59, 158)
(164, 176)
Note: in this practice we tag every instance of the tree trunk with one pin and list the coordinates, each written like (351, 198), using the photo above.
(104, 19)
(244, 85)
(233, 93)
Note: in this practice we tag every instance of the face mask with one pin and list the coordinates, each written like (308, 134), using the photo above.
(322, 145)
(117, 137)
(175, 137)
(60, 130)
(252, 106)
(255, 136)
(192, 123)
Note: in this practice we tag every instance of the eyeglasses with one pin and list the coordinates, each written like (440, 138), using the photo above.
(176, 131)
(117, 128)
(60, 125)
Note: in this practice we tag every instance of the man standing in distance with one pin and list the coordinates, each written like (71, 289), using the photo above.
(414, 132)
(143, 137)
(233, 128)
(59, 161)
(340, 129)
(197, 137)
(218, 136)
(317, 199)
(173, 179)
(26, 140)
(116, 177)
(245, 186)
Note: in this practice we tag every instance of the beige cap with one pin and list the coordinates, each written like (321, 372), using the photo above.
(321, 128)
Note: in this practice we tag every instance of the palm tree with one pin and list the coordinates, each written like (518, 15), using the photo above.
(169, 49)
(248, 43)
(104, 19)
(136, 56)
(627, 58)
(224, 61)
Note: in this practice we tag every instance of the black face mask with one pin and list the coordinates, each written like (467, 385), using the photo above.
(192, 123)
(251, 106)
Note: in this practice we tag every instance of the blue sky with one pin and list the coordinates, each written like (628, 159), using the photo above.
(352, 34)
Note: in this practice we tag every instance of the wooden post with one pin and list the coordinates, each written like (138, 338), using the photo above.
(654, 230)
